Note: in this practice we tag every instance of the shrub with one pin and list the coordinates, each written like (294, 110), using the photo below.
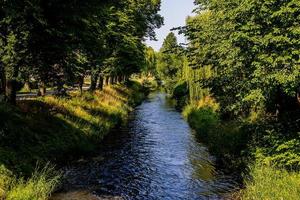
(202, 115)
(203, 120)
(210, 102)
(180, 90)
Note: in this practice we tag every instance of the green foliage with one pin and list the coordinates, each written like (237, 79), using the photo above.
(278, 146)
(150, 63)
(203, 119)
(91, 37)
(169, 63)
(268, 182)
(180, 94)
(226, 140)
(253, 47)
(180, 90)
(6, 179)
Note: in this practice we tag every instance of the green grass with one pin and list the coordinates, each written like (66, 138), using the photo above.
(39, 187)
(57, 129)
(269, 183)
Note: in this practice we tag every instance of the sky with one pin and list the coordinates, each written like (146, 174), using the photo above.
(174, 13)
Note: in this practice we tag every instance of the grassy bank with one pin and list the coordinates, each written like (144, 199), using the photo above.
(56, 129)
(268, 147)
(267, 182)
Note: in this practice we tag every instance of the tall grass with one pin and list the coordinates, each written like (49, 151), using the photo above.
(38, 187)
(270, 183)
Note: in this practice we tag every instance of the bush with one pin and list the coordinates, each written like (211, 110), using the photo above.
(180, 90)
(267, 182)
(203, 120)
(202, 115)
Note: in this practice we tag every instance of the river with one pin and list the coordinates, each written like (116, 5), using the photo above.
(155, 156)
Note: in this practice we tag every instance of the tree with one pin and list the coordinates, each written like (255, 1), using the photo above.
(253, 48)
(150, 62)
(170, 62)
(58, 42)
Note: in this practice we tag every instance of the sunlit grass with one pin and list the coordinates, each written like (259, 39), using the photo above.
(269, 183)
(39, 187)
(93, 113)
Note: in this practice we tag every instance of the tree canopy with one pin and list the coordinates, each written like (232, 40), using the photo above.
(60, 41)
(252, 46)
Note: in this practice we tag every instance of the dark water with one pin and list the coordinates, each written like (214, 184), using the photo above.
(154, 157)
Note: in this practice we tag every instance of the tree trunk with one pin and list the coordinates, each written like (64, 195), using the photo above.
(94, 79)
(2, 81)
(27, 86)
(120, 79)
(298, 95)
(100, 84)
(111, 80)
(42, 89)
(106, 81)
(80, 84)
(60, 88)
(11, 91)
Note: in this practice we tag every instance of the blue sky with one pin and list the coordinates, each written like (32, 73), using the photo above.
(174, 13)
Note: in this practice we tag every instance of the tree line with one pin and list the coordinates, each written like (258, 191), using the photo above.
(58, 42)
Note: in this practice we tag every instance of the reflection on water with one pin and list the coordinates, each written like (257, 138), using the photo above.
(154, 157)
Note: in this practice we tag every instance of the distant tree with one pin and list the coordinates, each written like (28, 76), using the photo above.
(169, 62)
(150, 62)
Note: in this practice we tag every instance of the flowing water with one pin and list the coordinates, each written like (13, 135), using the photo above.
(155, 156)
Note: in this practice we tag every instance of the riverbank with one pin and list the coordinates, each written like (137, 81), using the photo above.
(264, 149)
(55, 130)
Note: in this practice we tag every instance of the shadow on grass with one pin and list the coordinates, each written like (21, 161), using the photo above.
(39, 133)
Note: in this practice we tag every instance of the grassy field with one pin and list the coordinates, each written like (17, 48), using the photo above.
(54, 129)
